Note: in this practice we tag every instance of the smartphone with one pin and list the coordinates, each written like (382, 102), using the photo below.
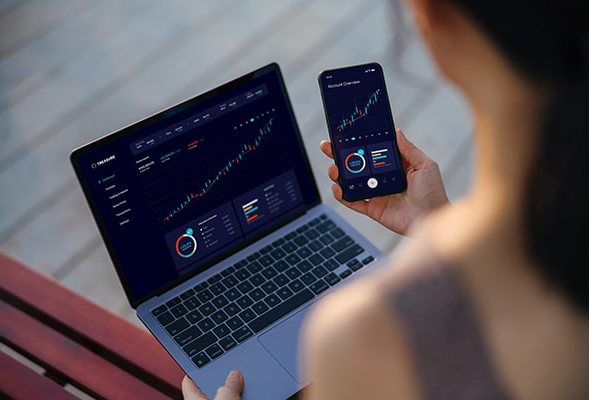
(360, 123)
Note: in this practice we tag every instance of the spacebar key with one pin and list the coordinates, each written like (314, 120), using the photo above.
(281, 310)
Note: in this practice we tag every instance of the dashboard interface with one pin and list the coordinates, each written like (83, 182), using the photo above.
(179, 193)
(362, 131)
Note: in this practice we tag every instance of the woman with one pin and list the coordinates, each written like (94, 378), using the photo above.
(491, 299)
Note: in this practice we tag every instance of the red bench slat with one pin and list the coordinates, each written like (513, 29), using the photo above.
(83, 368)
(18, 381)
(107, 334)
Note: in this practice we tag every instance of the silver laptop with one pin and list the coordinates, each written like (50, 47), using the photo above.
(212, 218)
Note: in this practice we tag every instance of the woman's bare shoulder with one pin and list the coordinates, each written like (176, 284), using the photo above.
(355, 349)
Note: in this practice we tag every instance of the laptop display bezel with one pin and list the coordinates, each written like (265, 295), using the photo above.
(155, 118)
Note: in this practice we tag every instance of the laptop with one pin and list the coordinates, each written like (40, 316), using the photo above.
(214, 223)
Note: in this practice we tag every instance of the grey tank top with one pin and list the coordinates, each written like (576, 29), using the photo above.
(443, 336)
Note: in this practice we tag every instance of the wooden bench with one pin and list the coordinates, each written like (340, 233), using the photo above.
(76, 342)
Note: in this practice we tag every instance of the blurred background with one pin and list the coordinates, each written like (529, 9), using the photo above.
(74, 70)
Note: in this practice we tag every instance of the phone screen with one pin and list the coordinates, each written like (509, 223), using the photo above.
(362, 131)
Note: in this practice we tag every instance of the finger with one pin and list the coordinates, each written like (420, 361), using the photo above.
(360, 206)
(191, 391)
(333, 172)
(326, 148)
(411, 155)
(232, 389)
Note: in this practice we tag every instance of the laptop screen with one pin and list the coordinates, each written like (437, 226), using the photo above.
(177, 192)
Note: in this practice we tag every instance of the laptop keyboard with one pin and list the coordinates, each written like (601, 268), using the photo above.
(231, 306)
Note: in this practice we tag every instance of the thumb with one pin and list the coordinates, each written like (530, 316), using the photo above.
(232, 389)
(411, 155)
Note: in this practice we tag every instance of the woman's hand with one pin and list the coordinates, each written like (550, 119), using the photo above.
(399, 211)
(231, 390)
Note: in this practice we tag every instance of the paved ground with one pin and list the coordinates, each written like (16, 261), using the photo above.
(73, 70)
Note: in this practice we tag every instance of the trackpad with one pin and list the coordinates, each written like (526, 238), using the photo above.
(282, 342)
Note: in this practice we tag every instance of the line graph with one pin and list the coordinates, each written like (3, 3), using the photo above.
(245, 149)
(359, 112)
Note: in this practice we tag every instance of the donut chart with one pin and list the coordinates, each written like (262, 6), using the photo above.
(355, 163)
(185, 245)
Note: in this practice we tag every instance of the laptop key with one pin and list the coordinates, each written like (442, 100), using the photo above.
(280, 280)
(320, 271)
(269, 272)
(232, 294)
(280, 266)
(316, 245)
(258, 280)
(355, 265)
(278, 242)
(323, 216)
(227, 343)
(194, 316)
(251, 257)
(316, 259)
(284, 293)
(326, 239)
(177, 326)
(165, 318)
(245, 287)
(284, 308)
(301, 240)
(230, 281)
(349, 253)
(205, 295)
(314, 221)
(311, 234)
(257, 294)
(244, 302)
(207, 309)
(241, 263)
(221, 331)
(232, 309)
(247, 315)
(269, 287)
(220, 301)
(332, 279)
(304, 266)
(272, 300)
(214, 278)
(242, 334)
(179, 310)
(346, 273)
(331, 264)
(260, 307)
(254, 267)
(292, 259)
(290, 235)
(266, 260)
(266, 249)
(218, 288)
(337, 232)
(289, 247)
(201, 286)
(234, 323)
(277, 254)
(214, 351)
(342, 243)
(187, 335)
(192, 303)
(367, 260)
(200, 360)
(219, 316)
(242, 275)
(293, 273)
(325, 226)
(308, 278)
(227, 271)
(200, 344)
(304, 252)
(327, 252)
(296, 285)
(319, 286)
(302, 229)
(206, 324)
(157, 311)
(173, 302)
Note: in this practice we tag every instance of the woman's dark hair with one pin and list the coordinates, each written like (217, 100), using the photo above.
(547, 42)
